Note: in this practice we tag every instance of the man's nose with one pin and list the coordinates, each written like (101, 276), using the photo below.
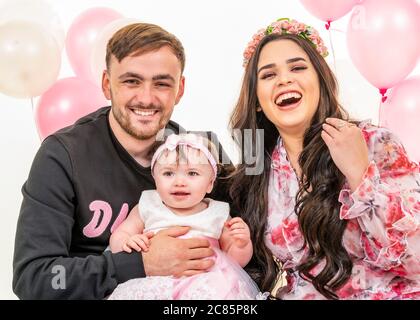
(145, 95)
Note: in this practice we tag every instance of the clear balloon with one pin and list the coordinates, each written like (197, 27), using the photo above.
(382, 40)
(37, 11)
(65, 102)
(97, 59)
(82, 35)
(30, 59)
(329, 10)
(401, 114)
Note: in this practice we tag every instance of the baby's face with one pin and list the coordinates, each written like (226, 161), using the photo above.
(182, 182)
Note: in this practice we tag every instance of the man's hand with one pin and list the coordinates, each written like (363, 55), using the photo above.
(169, 255)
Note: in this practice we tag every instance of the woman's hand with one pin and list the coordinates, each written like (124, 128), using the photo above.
(238, 231)
(348, 149)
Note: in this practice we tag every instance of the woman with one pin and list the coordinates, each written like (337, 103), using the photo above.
(338, 202)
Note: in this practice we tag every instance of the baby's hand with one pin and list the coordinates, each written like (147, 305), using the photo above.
(138, 242)
(239, 231)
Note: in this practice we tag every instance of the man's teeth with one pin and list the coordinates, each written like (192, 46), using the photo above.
(288, 95)
(144, 113)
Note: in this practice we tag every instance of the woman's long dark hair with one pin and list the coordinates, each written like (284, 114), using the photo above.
(317, 203)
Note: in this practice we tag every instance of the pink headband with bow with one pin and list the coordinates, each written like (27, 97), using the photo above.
(190, 140)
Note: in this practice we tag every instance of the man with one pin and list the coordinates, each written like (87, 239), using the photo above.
(85, 179)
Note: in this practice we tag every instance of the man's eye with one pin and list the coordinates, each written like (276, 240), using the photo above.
(132, 81)
(163, 84)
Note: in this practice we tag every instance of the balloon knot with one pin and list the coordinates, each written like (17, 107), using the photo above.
(383, 94)
(328, 25)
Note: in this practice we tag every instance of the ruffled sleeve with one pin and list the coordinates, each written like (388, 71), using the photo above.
(387, 206)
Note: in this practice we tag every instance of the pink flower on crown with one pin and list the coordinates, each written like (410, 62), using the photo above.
(252, 45)
(276, 29)
(294, 27)
(318, 42)
(294, 30)
(259, 35)
(301, 27)
(313, 38)
(323, 51)
(285, 24)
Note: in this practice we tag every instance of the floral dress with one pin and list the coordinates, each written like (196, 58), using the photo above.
(382, 234)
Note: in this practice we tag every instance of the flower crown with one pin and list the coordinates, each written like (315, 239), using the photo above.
(286, 26)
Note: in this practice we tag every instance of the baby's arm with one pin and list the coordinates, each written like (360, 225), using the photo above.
(236, 241)
(129, 235)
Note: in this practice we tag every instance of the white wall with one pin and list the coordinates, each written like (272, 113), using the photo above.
(214, 34)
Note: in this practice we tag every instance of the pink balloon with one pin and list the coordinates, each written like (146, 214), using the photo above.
(382, 40)
(401, 114)
(82, 35)
(329, 10)
(66, 101)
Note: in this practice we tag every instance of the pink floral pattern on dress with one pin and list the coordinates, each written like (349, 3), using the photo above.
(383, 231)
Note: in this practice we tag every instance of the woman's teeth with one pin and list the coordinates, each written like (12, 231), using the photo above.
(288, 98)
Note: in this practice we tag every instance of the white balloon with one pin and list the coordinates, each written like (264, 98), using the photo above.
(29, 59)
(97, 61)
(356, 94)
(38, 11)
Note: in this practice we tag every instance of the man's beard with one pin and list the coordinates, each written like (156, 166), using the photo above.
(123, 121)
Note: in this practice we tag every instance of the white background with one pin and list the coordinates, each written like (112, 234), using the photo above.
(214, 34)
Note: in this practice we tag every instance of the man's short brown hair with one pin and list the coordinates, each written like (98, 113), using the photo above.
(139, 38)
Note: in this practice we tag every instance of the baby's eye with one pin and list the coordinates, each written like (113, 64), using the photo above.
(193, 173)
(168, 173)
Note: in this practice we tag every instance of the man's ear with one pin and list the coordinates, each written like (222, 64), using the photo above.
(106, 85)
(180, 90)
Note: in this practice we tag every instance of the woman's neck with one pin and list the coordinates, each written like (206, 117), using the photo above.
(293, 145)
